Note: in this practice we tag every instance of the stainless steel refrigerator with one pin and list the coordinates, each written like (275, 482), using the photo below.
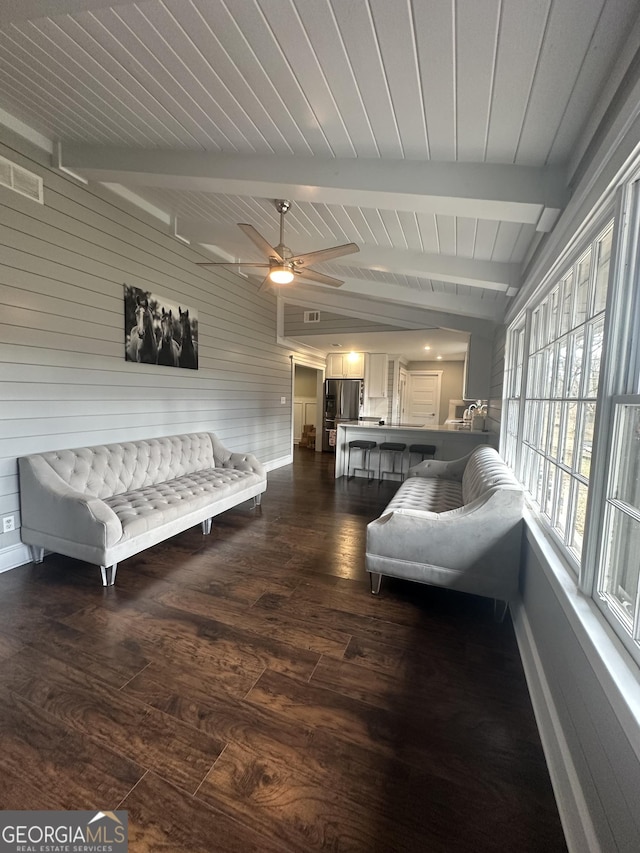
(343, 400)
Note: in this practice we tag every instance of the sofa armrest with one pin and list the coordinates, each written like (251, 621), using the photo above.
(240, 461)
(438, 469)
(245, 462)
(51, 506)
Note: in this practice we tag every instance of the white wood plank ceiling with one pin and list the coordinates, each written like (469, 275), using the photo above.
(439, 135)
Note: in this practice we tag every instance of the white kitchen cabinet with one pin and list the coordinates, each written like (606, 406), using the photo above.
(354, 363)
(348, 365)
(335, 366)
(376, 377)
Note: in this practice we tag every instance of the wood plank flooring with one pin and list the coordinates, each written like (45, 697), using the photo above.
(245, 692)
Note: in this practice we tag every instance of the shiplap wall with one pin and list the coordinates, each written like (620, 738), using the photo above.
(64, 381)
(604, 773)
(294, 325)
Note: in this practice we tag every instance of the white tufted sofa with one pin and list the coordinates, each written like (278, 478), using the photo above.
(455, 524)
(103, 504)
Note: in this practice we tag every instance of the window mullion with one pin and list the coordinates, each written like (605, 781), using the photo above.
(612, 381)
(524, 379)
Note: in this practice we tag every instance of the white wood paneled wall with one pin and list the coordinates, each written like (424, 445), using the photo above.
(64, 381)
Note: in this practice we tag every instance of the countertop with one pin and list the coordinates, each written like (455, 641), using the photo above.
(448, 428)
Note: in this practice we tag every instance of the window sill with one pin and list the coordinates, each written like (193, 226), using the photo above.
(612, 664)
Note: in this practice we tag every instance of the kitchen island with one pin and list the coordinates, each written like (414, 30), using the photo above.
(450, 440)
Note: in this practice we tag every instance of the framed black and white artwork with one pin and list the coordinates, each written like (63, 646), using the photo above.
(159, 331)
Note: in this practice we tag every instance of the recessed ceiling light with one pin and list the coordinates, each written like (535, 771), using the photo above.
(427, 347)
(438, 358)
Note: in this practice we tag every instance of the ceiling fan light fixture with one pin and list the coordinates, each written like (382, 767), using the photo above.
(281, 275)
(282, 265)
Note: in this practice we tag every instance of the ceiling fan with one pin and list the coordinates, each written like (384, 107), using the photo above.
(282, 264)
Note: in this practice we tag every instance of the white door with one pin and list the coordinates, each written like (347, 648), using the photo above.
(423, 393)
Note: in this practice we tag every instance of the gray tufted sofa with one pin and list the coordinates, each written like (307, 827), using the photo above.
(103, 504)
(455, 524)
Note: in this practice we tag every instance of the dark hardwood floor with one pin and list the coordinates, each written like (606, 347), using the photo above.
(245, 692)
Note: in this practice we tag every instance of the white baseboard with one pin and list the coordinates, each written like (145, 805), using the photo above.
(279, 463)
(578, 827)
(14, 556)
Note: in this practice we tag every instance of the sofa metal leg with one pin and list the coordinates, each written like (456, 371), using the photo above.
(499, 609)
(376, 580)
(257, 500)
(37, 553)
(109, 574)
(206, 526)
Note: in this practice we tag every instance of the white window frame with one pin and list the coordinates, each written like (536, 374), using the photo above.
(620, 383)
(619, 375)
(537, 336)
(619, 505)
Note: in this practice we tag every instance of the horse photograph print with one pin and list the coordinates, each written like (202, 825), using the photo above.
(158, 331)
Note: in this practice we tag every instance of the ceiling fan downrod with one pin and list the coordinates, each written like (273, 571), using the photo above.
(282, 206)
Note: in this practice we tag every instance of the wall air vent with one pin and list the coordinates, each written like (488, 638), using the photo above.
(311, 316)
(21, 181)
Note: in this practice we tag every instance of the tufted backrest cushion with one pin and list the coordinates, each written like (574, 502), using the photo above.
(112, 469)
(485, 470)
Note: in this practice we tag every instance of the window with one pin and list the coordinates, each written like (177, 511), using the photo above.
(620, 555)
(571, 430)
(551, 393)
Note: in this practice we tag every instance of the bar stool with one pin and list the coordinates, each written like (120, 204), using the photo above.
(424, 451)
(366, 447)
(395, 448)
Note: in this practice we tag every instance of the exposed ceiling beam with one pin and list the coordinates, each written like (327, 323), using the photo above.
(464, 306)
(14, 124)
(455, 270)
(398, 306)
(379, 310)
(489, 275)
(19, 11)
(505, 193)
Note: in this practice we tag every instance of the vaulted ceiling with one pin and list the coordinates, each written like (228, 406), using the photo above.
(441, 137)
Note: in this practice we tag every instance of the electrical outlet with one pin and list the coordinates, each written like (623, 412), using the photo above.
(8, 523)
(283, 400)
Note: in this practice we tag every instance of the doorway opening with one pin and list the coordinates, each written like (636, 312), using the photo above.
(307, 407)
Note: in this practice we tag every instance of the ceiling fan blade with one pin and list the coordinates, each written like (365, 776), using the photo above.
(267, 250)
(312, 275)
(227, 264)
(326, 254)
(266, 284)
